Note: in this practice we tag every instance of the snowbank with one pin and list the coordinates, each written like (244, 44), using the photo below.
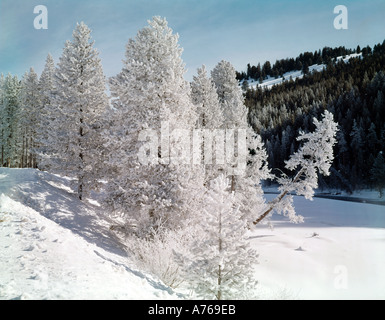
(55, 247)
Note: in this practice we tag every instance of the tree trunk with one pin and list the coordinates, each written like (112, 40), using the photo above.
(80, 177)
(81, 134)
(80, 188)
(272, 205)
(232, 183)
(274, 202)
(219, 293)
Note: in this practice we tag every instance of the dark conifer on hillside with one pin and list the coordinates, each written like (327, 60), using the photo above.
(353, 91)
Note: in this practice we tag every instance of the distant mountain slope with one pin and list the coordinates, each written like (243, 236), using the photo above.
(352, 87)
(270, 81)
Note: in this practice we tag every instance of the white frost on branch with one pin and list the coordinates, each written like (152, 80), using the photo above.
(315, 156)
(220, 263)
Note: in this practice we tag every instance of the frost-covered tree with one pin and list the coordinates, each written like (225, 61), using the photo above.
(235, 115)
(150, 180)
(210, 119)
(48, 118)
(220, 263)
(2, 121)
(314, 157)
(9, 139)
(230, 95)
(249, 193)
(80, 96)
(204, 95)
(247, 183)
(28, 116)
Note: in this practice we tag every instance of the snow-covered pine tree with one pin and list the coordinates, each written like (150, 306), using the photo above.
(210, 118)
(230, 95)
(248, 184)
(233, 109)
(220, 263)
(314, 156)
(8, 117)
(151, 99)
(204, 95)
(28, 114)
(80, 96)
(249, 194)
(48, 119)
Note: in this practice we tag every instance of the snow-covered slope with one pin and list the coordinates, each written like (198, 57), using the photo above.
(296, 74)
(52, 246)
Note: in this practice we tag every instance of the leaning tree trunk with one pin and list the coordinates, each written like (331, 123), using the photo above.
(274, 202)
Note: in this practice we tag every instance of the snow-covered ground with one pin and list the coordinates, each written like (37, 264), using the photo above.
(296, 74)
(52, 246)
(337, 253)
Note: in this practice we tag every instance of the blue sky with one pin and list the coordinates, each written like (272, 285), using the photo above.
(240, 31)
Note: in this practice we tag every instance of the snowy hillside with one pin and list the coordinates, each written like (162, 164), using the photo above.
(296, 74)
(52, 246)
(55, 247)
